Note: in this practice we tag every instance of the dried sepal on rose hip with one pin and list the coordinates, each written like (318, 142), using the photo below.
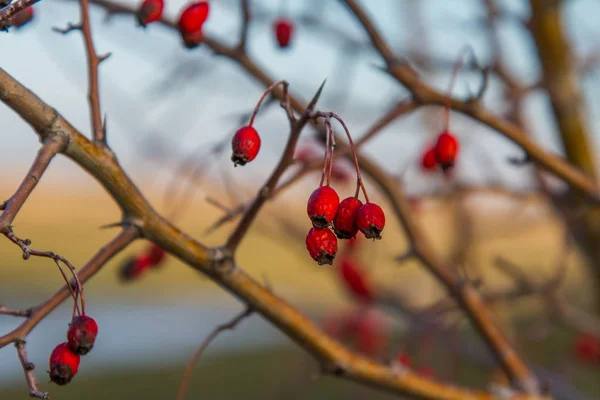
(81, 334)
(322, 206)
(344, 223)
(245, 145)
(321, 245)
(446, 150)
(284, 29)
(150, 11)
(370, 220)
(64, 364)
(191, 22)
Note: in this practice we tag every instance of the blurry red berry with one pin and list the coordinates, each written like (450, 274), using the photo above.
(245, 145)
(429, 160)
(370, 220)
(63, 364)
(193, 17)
(340, 172)
(156, 255)
(446, 150)
(426, 372)
(305, 154)
(82, 334)
(322, 206)
(321, 245)
(587, 348)
(133, 267)
(22, 17)
(355, 280)
(344, 223)
(403, 359)
(370, 332)
(150, 11)
(284, 29)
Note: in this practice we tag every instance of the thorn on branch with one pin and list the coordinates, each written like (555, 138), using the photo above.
(68, 29)
(100, 59)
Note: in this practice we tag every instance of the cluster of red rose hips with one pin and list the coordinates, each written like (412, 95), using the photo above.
(64, 360)
(443, 153)
(191, 20)
(134, 267)
(347, 217)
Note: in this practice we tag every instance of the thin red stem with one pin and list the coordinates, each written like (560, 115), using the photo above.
(262, 98)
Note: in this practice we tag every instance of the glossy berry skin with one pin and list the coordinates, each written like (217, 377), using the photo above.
(22, 17)
(429, 160)
(82, 334)
(321, 245)
(245, 145)
(193, 17)
(156, 255)
(446, 150)
(370, 220)
(150, 11)
(64, 364)
(322, 206)
(344, 223)
(284, 29)
(355, 280)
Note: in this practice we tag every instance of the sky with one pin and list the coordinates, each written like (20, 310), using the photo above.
(156, 94)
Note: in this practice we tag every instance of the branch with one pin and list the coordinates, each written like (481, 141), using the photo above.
(11, 207)
(230, 325)
(246, 17)
(101, 164)
(124, 238)
(28, 368)
(9, 11)
(15, 313)
(426, 95)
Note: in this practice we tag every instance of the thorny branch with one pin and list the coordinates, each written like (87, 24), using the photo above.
(189, 368)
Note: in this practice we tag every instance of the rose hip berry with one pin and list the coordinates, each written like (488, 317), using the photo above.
(370, 220)
(587, 348)
(446, 150)
(429, 160)
(156, 255)
(245, 145)
(284, 29)
(191, 22)
(344, 223)
(64, 364)
(322, 206)
(82, 334)
(321, 245)
(355, 280)
(22, 17)
(150, 11)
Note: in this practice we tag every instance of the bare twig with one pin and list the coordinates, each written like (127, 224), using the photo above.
(14, 312)
(189, 368)
(246, 18)
(28, 368)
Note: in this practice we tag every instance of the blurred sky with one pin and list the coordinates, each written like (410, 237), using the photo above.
(157, 93)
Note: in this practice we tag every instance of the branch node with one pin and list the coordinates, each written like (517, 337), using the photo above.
(68, 29)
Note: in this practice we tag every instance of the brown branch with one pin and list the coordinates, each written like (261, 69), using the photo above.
(14, 312)
(246, 18)
(101, 164)
(426, 95)
(124, 238)
(189, 368)
(28, 368)
(93, 60)
(11, 207)
(8, 12)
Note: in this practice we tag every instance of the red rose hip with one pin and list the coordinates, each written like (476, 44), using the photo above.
(245, 145)
(150, 11)
(82, 334)
(344, 223)
(429, 160)
(321, 245)
(191, 22)
(284, 29)
(370, 220)
(22, 17)
(156, 255)
(356, 280)
(322, 206)
(64, 364)
(446, 150)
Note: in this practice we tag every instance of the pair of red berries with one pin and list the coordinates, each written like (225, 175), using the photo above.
(284, 30)
(136, 266)
(347, 217)
(64, 360)
(191, 19)
(443, 153)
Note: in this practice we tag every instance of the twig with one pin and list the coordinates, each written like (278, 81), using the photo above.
(14, 312)
(246, 17)
(28, 368)
(189, 368)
